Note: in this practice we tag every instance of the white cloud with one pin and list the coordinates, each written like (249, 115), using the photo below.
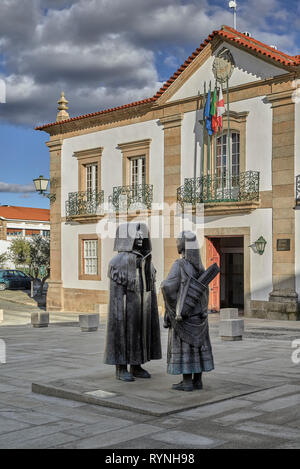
(16, 188)
(104, 53)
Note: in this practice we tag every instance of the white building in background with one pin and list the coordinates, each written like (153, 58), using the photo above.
(152, 153)
(24, 222)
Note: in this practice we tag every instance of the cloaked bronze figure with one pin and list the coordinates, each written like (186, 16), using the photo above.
(133, 332)
(185, 292)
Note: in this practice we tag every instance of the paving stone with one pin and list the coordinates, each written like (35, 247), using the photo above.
(236, 417)
(115, 437)
(278, 431)
(189, 440)
(281, 403)
(213, 409)
(49, 441)
(16, 438)
(105, 424)
(273, 393)
(31, 417)
(9, 425)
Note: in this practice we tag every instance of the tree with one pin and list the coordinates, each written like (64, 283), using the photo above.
(40, 258)
(19, 252)
(33, 254)
(3, 259)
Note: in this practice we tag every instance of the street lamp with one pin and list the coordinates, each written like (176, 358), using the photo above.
(41, 185)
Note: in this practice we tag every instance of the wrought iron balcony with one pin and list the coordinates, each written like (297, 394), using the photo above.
(298, 191)
(84, 203)
(213, 189)
(137, 197)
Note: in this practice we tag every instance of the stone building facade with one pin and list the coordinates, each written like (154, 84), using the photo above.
(153, 153)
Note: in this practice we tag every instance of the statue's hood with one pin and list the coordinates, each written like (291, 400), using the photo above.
(125, 237)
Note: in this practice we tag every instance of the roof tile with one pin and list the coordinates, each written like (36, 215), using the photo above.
(13, 212)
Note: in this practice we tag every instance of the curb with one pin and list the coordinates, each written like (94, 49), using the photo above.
(18, 302)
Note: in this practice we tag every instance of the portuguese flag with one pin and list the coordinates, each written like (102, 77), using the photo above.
(213, 112)
(220, 109)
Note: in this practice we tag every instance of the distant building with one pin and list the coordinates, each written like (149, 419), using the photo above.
(24, 222)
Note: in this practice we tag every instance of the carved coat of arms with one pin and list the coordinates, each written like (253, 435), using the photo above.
(223, 65)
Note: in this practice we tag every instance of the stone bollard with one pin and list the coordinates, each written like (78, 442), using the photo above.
(89, 322)
(101, 309)
(231, 327)
(1, 315)
(40, 319)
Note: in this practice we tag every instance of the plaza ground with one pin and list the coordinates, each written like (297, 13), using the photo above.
(262, 383)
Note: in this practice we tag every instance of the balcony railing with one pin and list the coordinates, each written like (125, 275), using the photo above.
(84, 203)
(137, 197)
(298, 191)
(211, 188)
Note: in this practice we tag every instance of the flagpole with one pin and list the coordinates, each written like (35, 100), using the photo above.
(203, 128)
(208, 155)
(228, 138)
(203, 143)
(221, 167)
(215, 145)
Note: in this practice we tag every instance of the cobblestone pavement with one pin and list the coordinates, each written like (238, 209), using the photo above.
(265, 419)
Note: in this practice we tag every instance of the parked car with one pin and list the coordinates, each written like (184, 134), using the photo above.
(14, 279)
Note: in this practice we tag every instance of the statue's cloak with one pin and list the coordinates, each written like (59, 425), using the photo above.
(189, 346)
(133, 330)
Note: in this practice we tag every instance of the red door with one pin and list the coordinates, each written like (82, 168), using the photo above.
(212, 256)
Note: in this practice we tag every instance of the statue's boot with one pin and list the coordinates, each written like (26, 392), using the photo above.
(185, 385)
(197, 381)
(123, 374)
(138, 372)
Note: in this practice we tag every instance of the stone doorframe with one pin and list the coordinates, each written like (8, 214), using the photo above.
(241, 232)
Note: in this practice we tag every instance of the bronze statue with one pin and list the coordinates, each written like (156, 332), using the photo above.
(185, 292)
(133, 331)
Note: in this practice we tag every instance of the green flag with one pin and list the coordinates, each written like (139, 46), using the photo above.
(213, 106)
(213, 112)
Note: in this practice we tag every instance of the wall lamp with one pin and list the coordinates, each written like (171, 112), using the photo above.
(260, 245)
(41, 185)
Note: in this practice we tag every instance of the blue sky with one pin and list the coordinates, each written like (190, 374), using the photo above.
(103, 53)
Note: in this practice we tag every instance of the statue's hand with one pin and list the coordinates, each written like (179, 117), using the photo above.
(178, 318)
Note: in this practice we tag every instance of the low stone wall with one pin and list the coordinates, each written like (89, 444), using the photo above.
(274, 310)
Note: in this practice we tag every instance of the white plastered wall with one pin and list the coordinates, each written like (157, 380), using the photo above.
(297, 212)
(70, 235)
(111, 175)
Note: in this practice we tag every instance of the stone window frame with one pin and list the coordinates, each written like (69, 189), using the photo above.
(132, 150)
(81, 239)
(86, 157)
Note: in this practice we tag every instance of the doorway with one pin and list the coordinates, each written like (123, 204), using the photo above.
(227, 289)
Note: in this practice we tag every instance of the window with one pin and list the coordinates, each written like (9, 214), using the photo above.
(224, 172)
(14, 232)
(32, 232)
(46, 233)
(89, 256)
(89, 169)
(137, 170)
(136, 157)
(91, 178)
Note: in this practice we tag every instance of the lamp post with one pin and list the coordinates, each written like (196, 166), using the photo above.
(41, 185)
